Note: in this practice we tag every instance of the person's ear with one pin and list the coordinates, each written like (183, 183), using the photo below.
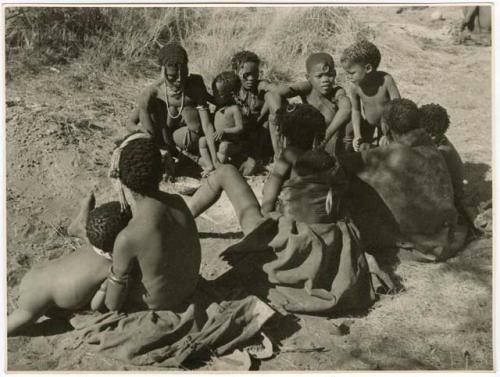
(368, 68)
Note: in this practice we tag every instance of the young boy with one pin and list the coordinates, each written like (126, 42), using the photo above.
(370, 91)
(71, 281)
(161, 240)
(228, 122)
(174, 109)
(246, 65)
(321, 92)
(434, 119)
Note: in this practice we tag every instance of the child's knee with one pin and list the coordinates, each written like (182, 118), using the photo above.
(224, 147)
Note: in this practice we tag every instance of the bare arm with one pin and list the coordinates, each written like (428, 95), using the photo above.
(117, 282)
(141, 113)
(281, 171)
(341, 117)
(392, 88)
(208, 130)
(355, 115)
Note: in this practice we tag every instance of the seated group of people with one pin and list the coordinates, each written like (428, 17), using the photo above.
(365, 171)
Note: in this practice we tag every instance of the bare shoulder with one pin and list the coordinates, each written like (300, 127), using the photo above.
(125, 241)
(339, 92)
(149, 93)
(388, 79)
(265, 86)
(233, 109)
(353, 89)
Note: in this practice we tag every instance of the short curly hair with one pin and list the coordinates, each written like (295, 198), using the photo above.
(172, 54)
(230, 81)
(434, 119)
(243, 57)
(362, 52)
(300, 124)
(105, 223)
(401, 115)
(140, 166)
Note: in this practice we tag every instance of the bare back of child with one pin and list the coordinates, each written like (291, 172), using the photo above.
(70, 282)
(435, 120)
(161, 239)
(370, 91)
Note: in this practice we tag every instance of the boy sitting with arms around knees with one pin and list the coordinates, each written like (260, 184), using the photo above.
(228, 122)
(434, 119)
(161, 240)
(321, 92)
(370, 91)
(71, 282)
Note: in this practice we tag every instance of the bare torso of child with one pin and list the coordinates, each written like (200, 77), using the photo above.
(224, 119)
(168, 251)
(373, 97)
(68, 282)
(327, 105)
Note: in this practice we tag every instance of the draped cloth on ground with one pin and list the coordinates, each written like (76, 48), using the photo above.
(401, 195)
(309, 268)
(170, 339)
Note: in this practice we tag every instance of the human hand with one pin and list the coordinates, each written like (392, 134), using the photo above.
(321, 145)
(384, 141)
(356, 142)
(218, 135)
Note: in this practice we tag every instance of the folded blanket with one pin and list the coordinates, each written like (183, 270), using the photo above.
(168, 339)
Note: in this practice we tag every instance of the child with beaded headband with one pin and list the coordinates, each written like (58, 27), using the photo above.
(174, 109)
(161, 239)
(75, 280)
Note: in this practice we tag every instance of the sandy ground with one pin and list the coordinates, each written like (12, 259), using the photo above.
(60, 128)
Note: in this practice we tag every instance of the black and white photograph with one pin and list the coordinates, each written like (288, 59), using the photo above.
(248, 187)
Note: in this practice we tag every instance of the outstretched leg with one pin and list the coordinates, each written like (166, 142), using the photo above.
(77, 226)
(227, 178)
(19, 319)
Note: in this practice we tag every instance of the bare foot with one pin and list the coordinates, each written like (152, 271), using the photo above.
(77, 226)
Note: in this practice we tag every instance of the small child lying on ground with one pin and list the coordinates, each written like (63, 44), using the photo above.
(228, 122)
(370, 91)
(71, 282)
